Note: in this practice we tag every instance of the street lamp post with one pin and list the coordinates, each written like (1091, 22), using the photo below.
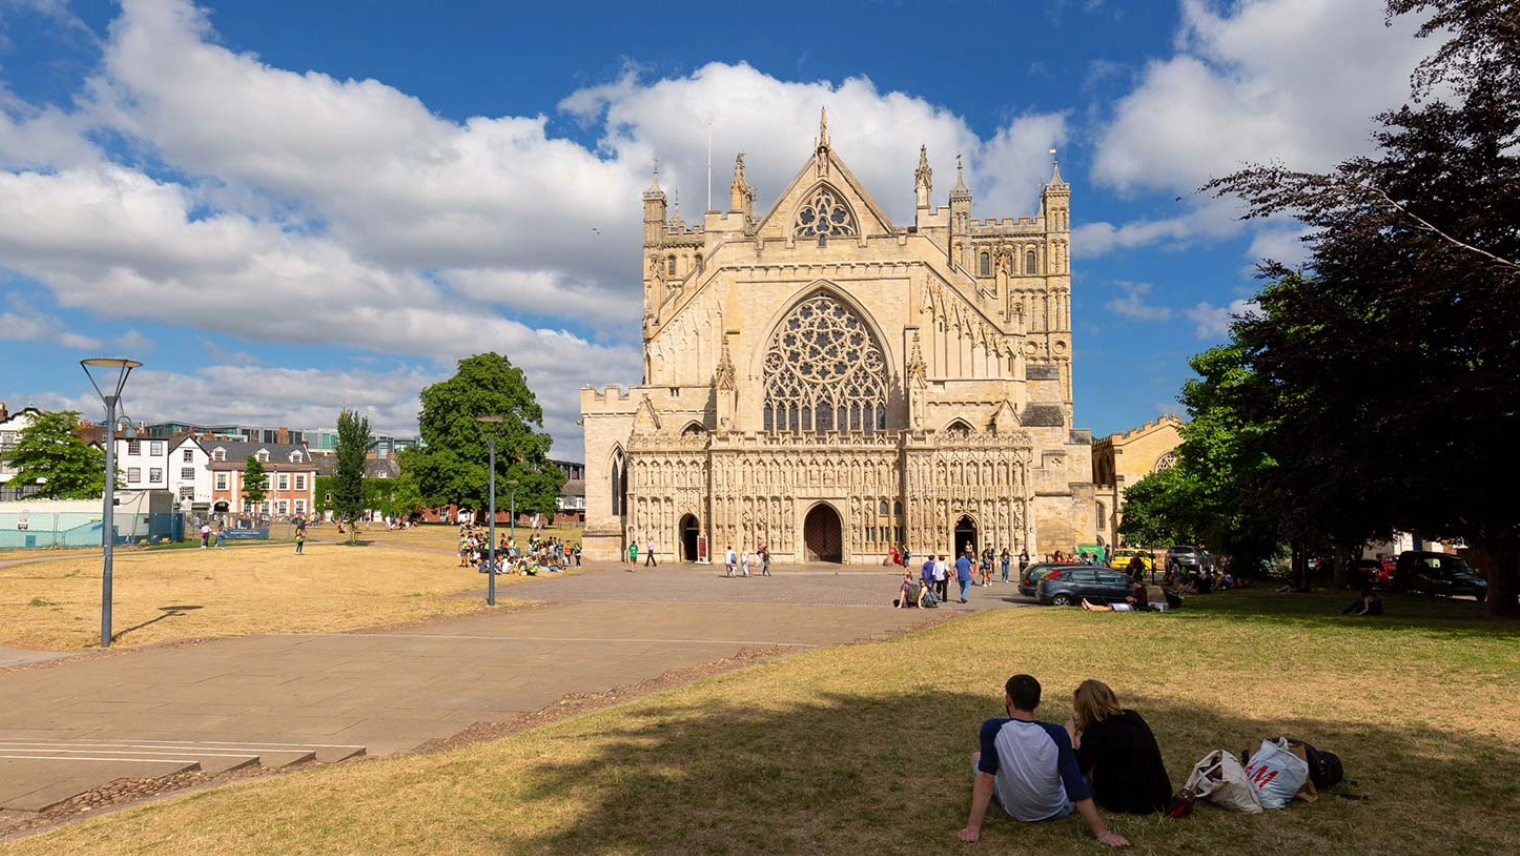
(491, 564)
(108, 515)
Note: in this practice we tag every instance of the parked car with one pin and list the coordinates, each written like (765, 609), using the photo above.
(1034, 573)
(1367, 571)
(1069, 585)
(1438, 573)
(1120, 559)
(1187, 558)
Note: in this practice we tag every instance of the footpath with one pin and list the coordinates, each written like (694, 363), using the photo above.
(76, 725)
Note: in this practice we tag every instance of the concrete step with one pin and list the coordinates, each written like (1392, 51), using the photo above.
(36, 775)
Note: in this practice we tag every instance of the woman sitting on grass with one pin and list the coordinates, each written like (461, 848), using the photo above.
(1117, 752)
(1368, 604)
(907, 593)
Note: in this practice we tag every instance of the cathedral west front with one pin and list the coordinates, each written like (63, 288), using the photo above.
(825, 382)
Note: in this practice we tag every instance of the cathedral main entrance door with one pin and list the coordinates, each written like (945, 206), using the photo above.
(965, 535)
(823, 535)
(689, 531)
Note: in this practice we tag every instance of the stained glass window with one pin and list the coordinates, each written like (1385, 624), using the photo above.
(824, 371)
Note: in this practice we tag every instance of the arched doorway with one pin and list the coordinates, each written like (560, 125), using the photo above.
(689, 531)
(965, 535)
(823, 535)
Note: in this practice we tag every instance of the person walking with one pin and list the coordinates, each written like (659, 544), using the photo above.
(730, 562)
(963, 575)
(300, 540)
(942, 578)
(1006, 559)
(764, 552)
(744, 564)
(205, 535)
(221, 536)
(649, 561)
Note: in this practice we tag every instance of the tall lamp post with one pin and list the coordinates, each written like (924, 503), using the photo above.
(492, 425)
(105, 366)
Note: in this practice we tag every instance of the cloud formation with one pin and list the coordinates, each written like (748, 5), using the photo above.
(1132, 304)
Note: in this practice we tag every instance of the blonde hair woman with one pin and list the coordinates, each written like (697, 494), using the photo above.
(1117, 752)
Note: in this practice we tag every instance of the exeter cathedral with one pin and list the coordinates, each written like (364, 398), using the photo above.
(823, 381)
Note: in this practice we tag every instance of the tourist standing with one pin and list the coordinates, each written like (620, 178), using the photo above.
(744, 564)
(633, 556)
(300, 540)
(942, 578)
(221, 536)
(730, 562)
(1023, 562)
(963, 575)
(205, 535)
(649, 561)
(1006, 560)
(765, 559)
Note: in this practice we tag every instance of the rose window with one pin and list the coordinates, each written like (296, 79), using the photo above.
(825, 214)
(824, 371)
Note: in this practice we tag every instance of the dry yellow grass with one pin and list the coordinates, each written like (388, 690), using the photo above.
(176, 594)
(863, 750)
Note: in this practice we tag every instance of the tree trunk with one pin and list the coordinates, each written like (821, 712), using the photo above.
(1342, 568)
(1499, 555)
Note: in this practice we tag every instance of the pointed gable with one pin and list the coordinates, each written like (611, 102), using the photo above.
(823, 187)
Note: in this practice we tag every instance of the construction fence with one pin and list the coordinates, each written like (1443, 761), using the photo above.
(43, 530)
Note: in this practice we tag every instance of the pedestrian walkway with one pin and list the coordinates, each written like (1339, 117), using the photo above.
(69, 727)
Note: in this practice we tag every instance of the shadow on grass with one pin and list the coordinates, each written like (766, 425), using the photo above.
(872, 774)
(1431, 616)
(168, 612)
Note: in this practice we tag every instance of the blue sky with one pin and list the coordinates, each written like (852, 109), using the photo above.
(285, 207)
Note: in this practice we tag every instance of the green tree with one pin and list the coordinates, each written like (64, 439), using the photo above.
(1211, 496)
(49, 455)
(1395, 351)
(348, 475)
(254, 477)
(451, 465)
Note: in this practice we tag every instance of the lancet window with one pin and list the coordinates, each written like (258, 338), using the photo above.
(823, 215)
(824, 371)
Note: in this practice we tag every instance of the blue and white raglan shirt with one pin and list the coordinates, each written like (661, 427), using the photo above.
(1035, 768)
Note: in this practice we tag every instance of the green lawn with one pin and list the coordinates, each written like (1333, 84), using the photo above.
(864, 749)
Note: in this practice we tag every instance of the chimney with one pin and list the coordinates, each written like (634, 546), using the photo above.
(282, 436)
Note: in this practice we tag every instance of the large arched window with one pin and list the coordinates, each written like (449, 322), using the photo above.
(824, 371)
(824, 214)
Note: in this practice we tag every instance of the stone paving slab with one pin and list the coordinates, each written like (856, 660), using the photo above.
(390, 692)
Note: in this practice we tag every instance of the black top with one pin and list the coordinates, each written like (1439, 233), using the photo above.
(1120, 756)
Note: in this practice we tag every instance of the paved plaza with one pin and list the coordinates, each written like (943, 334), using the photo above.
(273, 700)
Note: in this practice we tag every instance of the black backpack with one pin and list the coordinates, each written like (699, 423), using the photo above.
(1325, 769)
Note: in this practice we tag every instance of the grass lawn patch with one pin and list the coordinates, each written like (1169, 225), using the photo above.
(865, 749)
(164, 595)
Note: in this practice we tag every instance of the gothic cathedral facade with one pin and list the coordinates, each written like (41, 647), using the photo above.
(822, 381)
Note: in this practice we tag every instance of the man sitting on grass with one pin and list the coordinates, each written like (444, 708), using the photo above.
(1030, 768)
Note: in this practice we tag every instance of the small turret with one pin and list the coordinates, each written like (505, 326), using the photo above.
(654, 211)
(741, 194)
(1055, 199)
(923, 178)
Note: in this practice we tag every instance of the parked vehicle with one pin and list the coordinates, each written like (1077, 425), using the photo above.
(1187, 558)
(1438, 573)
(1120, 559)
(1034, 573)
(1070, 585)
(1367, 571)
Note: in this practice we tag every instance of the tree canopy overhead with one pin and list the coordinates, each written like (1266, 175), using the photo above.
(1392, 360)
(451, 467)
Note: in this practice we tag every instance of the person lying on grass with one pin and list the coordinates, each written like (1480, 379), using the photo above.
(1030, 768)
(1137, 599)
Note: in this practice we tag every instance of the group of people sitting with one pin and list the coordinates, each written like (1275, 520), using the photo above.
(538, 555)
(1104, 756)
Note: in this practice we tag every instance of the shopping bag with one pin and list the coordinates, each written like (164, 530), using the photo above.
(1220, 779)
(1275, 773)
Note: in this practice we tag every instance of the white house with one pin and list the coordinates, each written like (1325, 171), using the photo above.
(189, 472)
(11, 426)
(144, 463)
